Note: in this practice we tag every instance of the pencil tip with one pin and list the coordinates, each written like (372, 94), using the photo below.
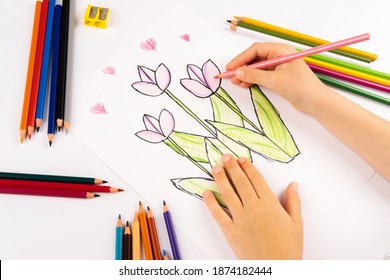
(127, 223)
(140, 203)
(148, 208)
(229, 21)
(120, 190)
(104, 181)
(59, 129)
(96, 195)
(164, 202)
(37, 129)
(119, 217)
(50, 142)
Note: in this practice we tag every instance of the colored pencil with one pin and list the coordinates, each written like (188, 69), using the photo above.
(235, 23)
(318, 41)
(45, 66)
(51, 127)
(62, 65)
(51, 178)
(165, 255)
(145, 232)
(348, 78)
(351, 66)
(30, 71)
(119, 239)
(47, 192)
(305, 53)
(153, 235)
(127, 242)
(37, 70)
(56, 186)
(171, 232)
(347, 71)
(136, 242)
(352, 89)
(69, 69)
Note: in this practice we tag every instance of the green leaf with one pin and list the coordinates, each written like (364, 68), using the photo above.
(215, 151)
(254, 141)
(223, 113)
(271, 122)
(195, 186)
(192, 144)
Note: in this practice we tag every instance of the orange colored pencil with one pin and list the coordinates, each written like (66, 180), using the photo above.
(30, 71)
(145, 232)
(135, 230)
(153, 235)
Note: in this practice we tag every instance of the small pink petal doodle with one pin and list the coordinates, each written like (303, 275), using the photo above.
(185, 37)
(149, 45)
(98, 108)
(109, 70)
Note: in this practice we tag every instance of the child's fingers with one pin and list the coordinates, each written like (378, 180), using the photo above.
(259, 184)
(228, 194)
(219, 215)
(239, 179)
(293, 203)
(255, 76)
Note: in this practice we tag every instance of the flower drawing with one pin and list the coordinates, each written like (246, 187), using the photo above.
(202, 82)
(157, 130)
(153, 83)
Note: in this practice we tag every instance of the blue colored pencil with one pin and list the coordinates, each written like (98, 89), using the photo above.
(45, 66)
(171, 232)
(119, 239)
(51, 128)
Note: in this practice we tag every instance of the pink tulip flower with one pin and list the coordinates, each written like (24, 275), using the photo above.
(153, 83)
(157, 130)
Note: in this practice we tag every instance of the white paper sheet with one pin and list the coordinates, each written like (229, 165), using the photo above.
(328, 173)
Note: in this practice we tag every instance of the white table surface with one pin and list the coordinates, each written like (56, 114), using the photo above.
(56, 228)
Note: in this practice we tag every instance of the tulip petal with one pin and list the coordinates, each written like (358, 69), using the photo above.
(152, 124)
(195, 73)
(150, 136)
(167, 122)
(147, 88)
(210, 70)
(162, 76)
(196, 88)
(146, 74)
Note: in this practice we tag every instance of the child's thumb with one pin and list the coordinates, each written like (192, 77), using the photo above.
(254, 76)
(293, 202)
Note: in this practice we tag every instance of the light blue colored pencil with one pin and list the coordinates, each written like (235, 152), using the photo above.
(45, 65)
(119, 239)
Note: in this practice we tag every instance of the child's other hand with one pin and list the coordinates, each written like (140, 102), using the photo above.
(258, 226)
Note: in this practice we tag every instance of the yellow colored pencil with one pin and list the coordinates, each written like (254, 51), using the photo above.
(348, 71)
(305, 37)
(136, 242)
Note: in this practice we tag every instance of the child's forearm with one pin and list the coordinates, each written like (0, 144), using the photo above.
(365, 133)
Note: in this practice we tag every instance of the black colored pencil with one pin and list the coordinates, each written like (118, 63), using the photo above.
(127, 240)
(62, 66)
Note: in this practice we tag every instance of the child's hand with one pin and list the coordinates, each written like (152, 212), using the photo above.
(258, 226)
(292, 80)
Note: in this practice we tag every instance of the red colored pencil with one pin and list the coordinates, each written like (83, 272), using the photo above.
(37, 70)
(47, 192)
(56, 186)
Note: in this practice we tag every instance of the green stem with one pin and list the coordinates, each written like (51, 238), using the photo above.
(188, 156)
(235, 110)
(185, 108)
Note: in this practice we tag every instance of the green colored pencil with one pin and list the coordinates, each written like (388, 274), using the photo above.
(293, 39)
(51, 178)
(351, 66)
(352, 89)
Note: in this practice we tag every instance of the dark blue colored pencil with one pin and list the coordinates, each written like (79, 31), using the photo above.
(51, 128)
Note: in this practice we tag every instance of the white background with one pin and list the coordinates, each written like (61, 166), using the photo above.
(55, 228)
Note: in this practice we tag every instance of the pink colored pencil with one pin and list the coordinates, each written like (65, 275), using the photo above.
(345, 77)
(47, 192)
(308, 52)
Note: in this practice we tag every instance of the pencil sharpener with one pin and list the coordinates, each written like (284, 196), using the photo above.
(96, 16)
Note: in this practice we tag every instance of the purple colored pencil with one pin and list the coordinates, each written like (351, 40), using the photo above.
(345, 77)
(171, 232)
